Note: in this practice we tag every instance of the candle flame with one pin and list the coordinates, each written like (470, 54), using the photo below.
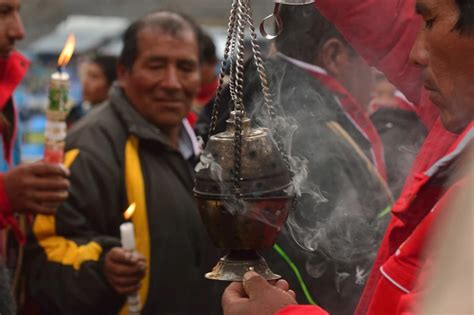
(67, 51)
(130, 211)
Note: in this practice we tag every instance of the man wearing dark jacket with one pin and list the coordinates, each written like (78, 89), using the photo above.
(139, 149)
(343, 192)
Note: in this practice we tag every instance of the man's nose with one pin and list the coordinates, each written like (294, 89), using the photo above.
(16, 30)
(171, 80)
(419, 54)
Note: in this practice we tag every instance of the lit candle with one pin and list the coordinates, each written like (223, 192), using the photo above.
(127, 236)
(56, 113)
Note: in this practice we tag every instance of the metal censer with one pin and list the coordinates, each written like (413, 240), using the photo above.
(243, 182)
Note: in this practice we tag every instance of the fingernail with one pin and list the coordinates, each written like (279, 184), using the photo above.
(249, 275)
(65, 169)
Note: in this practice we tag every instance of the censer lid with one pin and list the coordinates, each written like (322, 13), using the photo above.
(247, 129)
(263, 171)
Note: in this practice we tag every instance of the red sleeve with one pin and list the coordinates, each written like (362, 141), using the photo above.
(302, 310)
(383, 32)
(7, 219)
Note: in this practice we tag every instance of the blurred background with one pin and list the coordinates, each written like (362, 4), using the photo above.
(98, 25)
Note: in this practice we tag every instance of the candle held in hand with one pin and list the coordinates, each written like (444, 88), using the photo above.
(55, 132)
(127, 231)
(127, 235)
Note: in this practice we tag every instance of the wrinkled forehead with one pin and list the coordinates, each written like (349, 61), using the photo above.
(427, 7)
(183, 33)
(153, 34)
(156, 42)
(11, 3)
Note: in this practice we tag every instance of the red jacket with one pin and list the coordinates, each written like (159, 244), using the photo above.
(383, 32)
(12, 71)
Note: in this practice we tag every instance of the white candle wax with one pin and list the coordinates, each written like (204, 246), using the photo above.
(127, 235)
(60, 76)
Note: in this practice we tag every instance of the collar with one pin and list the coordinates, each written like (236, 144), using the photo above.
(188, 145)
(456, 149)
(420, 179)
(353, 110)
(12, 70)
(303, 65)
(136, 124)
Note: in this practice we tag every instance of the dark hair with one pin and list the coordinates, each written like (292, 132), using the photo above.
(108, 64)
(465, 24)
(305, 31)
(207, 48)
(170, 22)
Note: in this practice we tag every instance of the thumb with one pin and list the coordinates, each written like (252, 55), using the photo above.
(254, 284)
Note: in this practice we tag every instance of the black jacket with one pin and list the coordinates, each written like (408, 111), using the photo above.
(336, 221)
(117, 158)
(402, 135)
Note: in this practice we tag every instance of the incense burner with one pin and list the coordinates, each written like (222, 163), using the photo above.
(250, 218)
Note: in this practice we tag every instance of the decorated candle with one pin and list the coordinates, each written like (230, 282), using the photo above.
(56, 113)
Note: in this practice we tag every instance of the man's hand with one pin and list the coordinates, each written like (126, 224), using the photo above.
(124, 270)
(255, 296)
(37, 187)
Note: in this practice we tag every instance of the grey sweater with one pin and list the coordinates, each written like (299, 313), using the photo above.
(7, 305)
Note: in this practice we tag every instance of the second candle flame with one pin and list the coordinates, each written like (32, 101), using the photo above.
(130, 211)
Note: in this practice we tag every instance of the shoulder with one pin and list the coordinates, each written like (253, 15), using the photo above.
(101, 134)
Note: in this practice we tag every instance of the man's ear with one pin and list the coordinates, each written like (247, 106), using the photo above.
(333, 56)
(122, 75)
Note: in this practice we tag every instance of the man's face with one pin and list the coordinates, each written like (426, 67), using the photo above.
(165, 76)
(356, 76)
(447, 60)
(95, 87)
(11, 27)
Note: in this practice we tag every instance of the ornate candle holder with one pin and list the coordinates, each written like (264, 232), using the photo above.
(56, 113)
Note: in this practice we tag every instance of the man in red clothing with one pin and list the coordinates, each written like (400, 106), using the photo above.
(32, 188)
(440, 38)
(37, 187)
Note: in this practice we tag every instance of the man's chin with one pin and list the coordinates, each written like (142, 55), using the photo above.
(168, 122)
(5, 53)
(454, 124)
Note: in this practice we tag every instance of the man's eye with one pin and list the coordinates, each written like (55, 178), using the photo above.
(5, 11)
(188, 67)
(429, 23)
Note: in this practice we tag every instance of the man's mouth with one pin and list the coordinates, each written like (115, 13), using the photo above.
(430, 88)
(428, 83)
(168, 101)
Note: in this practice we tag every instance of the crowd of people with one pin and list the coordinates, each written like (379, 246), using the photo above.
(384, 153)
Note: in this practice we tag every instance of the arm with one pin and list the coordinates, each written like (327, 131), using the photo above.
(302, 310)
(31, 188)
(256, 296)
(67, 253)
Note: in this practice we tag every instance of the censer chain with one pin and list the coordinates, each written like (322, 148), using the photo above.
(240, 18)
